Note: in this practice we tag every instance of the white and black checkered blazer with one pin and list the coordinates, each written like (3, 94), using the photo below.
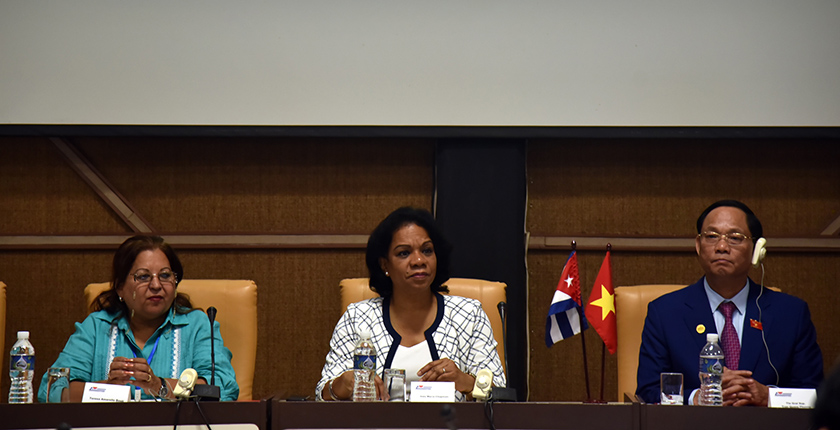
(461, 332)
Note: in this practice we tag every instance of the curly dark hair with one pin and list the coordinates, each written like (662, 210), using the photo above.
(380, 242)
(124, 258)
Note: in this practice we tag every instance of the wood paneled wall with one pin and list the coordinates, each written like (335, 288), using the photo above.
(629, 187)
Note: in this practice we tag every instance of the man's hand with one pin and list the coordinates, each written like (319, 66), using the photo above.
(739, 389)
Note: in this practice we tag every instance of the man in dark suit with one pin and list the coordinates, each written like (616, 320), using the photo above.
(775, 343)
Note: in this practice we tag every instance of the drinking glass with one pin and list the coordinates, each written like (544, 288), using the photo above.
(671, 388)
(395, 384)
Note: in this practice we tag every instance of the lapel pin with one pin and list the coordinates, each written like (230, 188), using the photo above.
(701, 328)
(756, 324)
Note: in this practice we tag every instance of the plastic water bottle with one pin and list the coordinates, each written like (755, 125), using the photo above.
(711, 370)
(21, 369)
(364, 369)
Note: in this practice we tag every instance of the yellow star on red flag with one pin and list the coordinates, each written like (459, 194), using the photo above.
(606, 302)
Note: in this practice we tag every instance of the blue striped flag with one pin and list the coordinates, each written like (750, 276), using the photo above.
(564, 314)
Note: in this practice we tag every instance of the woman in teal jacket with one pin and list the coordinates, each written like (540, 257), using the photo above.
(142, 331)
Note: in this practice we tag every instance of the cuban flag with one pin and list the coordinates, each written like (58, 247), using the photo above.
(564, 314)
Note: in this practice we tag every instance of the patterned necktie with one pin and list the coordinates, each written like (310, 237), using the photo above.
(729, 338)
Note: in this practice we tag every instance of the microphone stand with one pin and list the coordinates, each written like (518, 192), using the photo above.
(502, 307)
(503, 394)
(209, 392)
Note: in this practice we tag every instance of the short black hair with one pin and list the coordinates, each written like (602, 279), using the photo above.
(753, 223)
(380, 241)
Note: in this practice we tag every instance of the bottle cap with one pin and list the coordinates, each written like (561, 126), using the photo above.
(364, 334)
(23, 335)
(711, 337)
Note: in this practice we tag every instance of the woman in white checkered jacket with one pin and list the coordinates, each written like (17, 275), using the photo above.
(434, 337)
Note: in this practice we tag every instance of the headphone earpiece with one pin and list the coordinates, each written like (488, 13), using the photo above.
(759, 252)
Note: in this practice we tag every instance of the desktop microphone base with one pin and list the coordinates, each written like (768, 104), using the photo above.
(500, 394)
(205, 392)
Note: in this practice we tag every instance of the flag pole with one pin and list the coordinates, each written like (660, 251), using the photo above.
(603, 361)
(583, 344)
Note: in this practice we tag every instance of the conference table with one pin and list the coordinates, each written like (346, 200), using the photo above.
(141, 415)
(282, 415)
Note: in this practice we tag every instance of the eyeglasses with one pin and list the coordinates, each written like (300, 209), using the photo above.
(712, 238)
(165, 277)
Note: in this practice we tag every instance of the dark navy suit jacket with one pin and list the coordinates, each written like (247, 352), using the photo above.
(671, 340)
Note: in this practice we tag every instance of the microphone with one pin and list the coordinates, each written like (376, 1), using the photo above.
(210, 391)
(501, 394)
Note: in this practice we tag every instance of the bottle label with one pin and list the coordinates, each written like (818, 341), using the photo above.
(22, 363)
(711, 365)
(364, 362)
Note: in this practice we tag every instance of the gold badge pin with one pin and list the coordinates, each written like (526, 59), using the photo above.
(701, 328)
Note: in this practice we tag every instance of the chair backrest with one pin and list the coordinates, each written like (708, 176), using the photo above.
(236, 303)
(489, 293)
(3, 317)
(630, 312)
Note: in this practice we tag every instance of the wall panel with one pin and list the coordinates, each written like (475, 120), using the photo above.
(41, 194)
(284, 186)
(659, 187)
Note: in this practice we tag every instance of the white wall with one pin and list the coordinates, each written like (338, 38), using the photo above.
(424, 62)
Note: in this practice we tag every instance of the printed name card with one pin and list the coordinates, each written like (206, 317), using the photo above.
(800, 398)
(97, 393)
(432, 392)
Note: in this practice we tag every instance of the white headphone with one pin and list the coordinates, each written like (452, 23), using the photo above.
(759, 252)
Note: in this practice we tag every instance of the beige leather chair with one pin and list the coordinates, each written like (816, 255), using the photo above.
(3, 317)
(236, 302)
(489, 293)
(630, 312)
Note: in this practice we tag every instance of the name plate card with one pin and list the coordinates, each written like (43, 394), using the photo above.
(799, 398)
(99, 393)
(432, 392)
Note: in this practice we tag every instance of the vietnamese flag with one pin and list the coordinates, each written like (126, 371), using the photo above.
(600, 310)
